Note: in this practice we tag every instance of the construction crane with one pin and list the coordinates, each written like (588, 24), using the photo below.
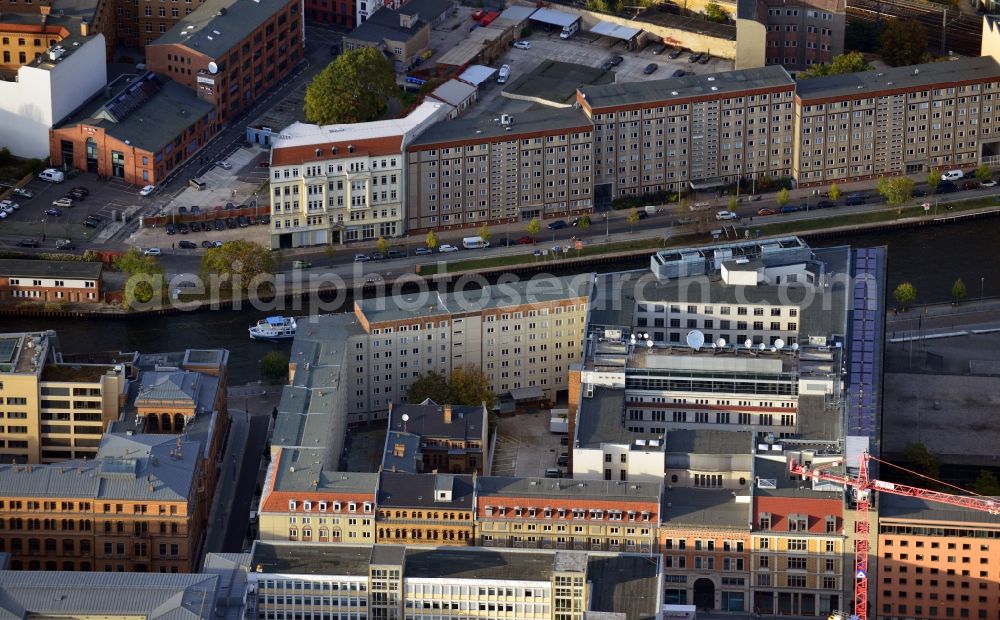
(863, 486)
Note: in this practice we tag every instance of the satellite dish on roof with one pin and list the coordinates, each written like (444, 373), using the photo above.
(774, 349)
(761, 346)
(406, 417)
(649, 344)
(779, 344)
(213, 68)
(795, 346)
(695, 339)
(748, 343)
(721, 342)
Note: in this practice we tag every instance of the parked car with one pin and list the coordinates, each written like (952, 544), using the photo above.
(616, 60)
(242, 221)
(659, 49)
(83, 190)
(971, 185)
(196, 209)
(225, 165)
(195, 226)
(523, 45)
(378, 256)
(90, 223)
(422, 251)
(918, 193)
(651, 68)
(526, 240)
(558, 224)
(695, 57)
(183, 229)
(678, 73)
(726, 215)
(152, 252)
(446, 248)
(825, 204)
(766, 211)
(265, 219)
(946, 187)
(642, 214)
(396, 254)
(219, 225)
(791, 208)
(65, 244)
(361, 258)
(9, 205)
(854, 199)
(675, 53)
(563, 460)
(184, 244)
(75, 194)
(207, 244)
(952, 175)
(28, 243)
(53, 212)
(182, 209)
(146, 191)
(564, 440)
(704, 59)
(63, 202)
(231, 222)
(553, 472)
(171, 229)
(23, 192)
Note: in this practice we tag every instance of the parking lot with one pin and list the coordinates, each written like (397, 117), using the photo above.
(588, 49)
(107, 199)
(525, 447)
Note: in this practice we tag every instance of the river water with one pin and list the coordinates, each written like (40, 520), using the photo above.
(930, 258)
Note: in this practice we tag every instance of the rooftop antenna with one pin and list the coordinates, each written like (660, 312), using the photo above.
(695, 339)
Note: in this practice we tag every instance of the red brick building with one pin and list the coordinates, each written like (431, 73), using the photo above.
(335, 12)
(50, 281)
(230, 52)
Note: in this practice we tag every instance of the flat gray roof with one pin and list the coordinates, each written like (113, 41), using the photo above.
(50, 269)
(708, 85)
(426, 419)
(556, 82)
(788, 486)
(604, 490)
(414, 306)
(216, 26)
(297, 559)
(487, 126)
(601, 419)
(298, 470)
(384, 24)
(405, 490)
(554, 17)
(913, 509)
(705, 508)
(709, 441)
(961, 70)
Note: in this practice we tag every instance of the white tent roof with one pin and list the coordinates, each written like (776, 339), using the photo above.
(477, 74)
(607, 29)
(554, 17)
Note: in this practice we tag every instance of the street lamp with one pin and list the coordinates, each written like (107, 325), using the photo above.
(982, 288)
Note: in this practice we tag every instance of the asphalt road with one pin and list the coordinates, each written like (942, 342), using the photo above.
(239, 515)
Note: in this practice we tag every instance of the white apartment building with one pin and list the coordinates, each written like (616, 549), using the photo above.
(46, 89)
(523, 336)
(336, 183)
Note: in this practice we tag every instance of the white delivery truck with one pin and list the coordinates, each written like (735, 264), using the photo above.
(52, 175)
(503, 74)
(473, 243)
(569, 30)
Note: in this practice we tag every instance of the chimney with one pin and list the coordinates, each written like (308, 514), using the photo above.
(447, 414)
(84, 29)
(45, 9)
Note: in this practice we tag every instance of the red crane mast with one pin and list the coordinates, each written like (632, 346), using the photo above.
(863, 486)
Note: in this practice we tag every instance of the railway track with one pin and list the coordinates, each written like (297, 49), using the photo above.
(961, 34)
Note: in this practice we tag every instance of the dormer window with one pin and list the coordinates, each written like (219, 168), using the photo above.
(322, 506)
(352, 507)
(307, 506)
(336, 506)
(368, 506)
(292, 505)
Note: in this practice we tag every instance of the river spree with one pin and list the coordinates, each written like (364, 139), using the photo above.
(930, 258)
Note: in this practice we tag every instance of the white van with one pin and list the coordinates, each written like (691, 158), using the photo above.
(952, 175)
(570, 30)
(473, 243)
(503, 74)
(52, 175)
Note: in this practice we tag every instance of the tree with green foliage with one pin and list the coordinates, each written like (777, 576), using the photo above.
(632, 219)
(834, 192)
(240, 262)
(782, 197)
(432, 241)
(934, 178)
(584, 222)
(921, 460)
(733, 203)
(145, 277)
(903, 42)
(958, 291)
(905, 294)
(274, 367)
(986, 484)
(849, 62)
(484, 232)
(983, 173)
(714, 12)
(467, 385)
(895, 190)
(534, 226)
(382, 245)
(861, 36)
(355, 88)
